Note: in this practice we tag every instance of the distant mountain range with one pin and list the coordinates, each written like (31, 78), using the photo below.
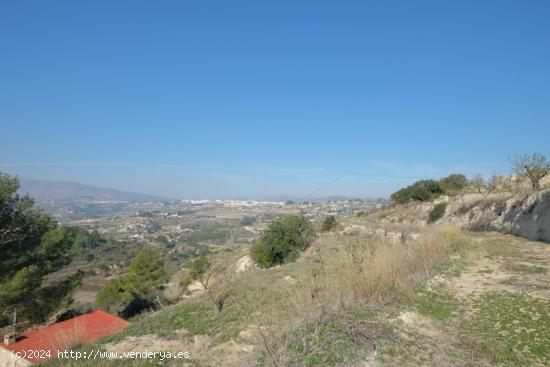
(42, 190)
(46, 190)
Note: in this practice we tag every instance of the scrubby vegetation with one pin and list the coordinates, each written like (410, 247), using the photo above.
(283, 241)
(437, 212)
(162, 240)
(338, 338)
(367, 272)
(337, 320)
(247, 221)
(423, 190)
(214, 234)
(329, 223)
(201, 270)
(454, 183)
(426, 190)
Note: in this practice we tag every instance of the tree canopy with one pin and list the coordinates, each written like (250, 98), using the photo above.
(134, 291)
(31, 246)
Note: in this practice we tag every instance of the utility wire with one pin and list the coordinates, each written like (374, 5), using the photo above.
(340, 176)
(348, 172)
(386, 176)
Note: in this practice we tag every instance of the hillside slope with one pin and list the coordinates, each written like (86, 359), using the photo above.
(512, 208)
(354, 299)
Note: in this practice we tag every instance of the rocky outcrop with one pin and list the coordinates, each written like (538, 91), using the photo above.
(530, 218)
(380, 233)
(244, 264)
(526, 215)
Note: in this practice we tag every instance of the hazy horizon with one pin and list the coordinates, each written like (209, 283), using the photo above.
(320, 192)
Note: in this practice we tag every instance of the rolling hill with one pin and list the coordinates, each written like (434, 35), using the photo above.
(43, 190)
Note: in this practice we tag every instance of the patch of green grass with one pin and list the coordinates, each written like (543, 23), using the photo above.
(508, 329)
(437, 305)
(331, 342)
(486, 271)
(385, 214)
(408, 352)
(501, 246)
(199, 315)
(528, 269)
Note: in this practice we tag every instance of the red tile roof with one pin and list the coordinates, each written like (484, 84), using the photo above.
(72, 333)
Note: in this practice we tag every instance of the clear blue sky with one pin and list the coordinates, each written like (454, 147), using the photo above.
(261, 98)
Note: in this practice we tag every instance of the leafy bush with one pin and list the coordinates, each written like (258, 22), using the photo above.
(198, 268)
(85, 242)
(329, 223)
(437, 212)
(423, 190)
(283, 241)
(454, 183)
(247, 221)
(162, 240)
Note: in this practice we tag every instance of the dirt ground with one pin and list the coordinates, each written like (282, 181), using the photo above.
(488, 305)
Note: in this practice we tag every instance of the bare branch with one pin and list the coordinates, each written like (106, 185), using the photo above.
(534, 167)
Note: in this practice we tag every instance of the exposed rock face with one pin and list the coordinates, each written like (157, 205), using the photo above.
(244, 264)
(532, 218)
(355, 229)
(526, 216)
(380, 233)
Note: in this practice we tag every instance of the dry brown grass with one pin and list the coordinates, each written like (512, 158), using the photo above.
(369, 272)
(347, 273)
(358, 271)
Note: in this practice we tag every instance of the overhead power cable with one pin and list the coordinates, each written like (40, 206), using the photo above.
(348, 172)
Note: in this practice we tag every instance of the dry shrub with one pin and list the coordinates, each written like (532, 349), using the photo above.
(334, 339)
(374, 271)
(359, 272)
